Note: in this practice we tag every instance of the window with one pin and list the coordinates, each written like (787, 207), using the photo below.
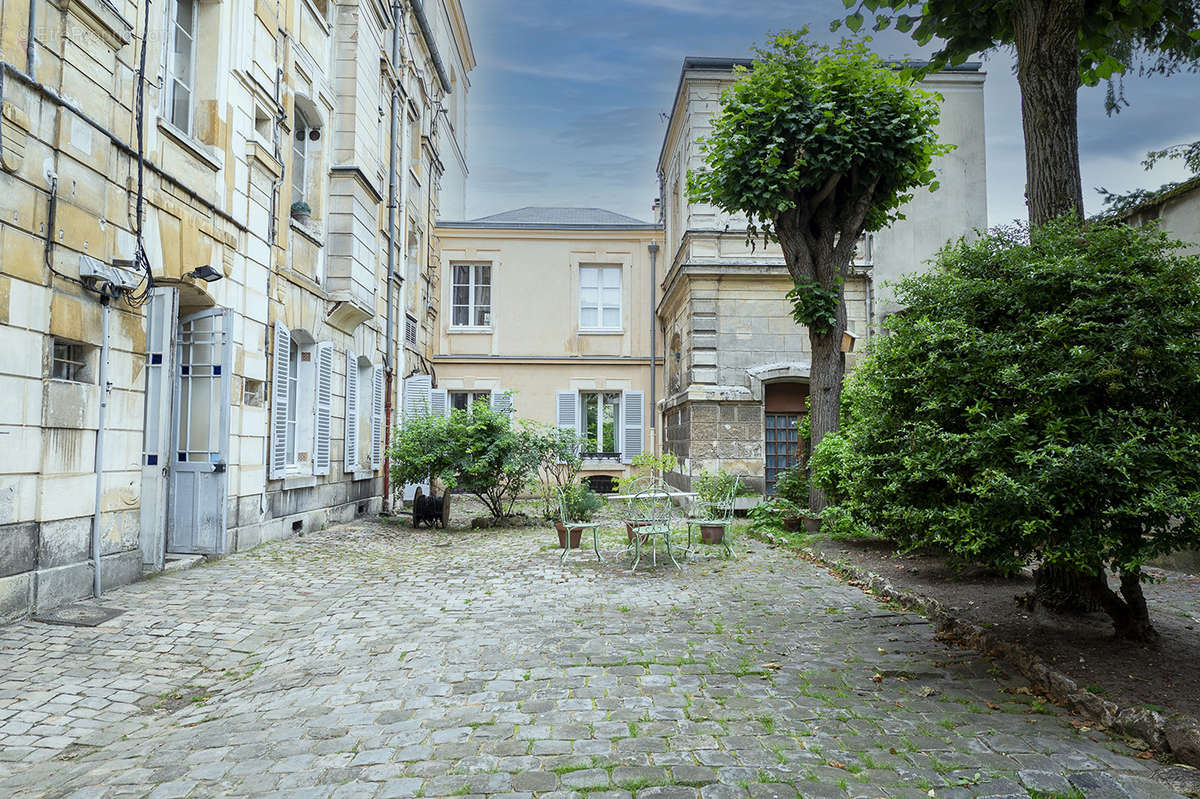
(600, 297)
(300, 156)
(601, 416)
(293, 404)
(70, 362)
(472, 295)
(410, 331)
(464, 400)
(181, 63)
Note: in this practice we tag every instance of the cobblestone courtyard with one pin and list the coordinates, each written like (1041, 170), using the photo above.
(373, 661)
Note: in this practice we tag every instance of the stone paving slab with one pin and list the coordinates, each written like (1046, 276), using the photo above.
(369, 661)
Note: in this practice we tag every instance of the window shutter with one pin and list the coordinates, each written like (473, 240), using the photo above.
(376, 418)
(567, 405)
(351, 446)
(633, 412)
(502, 402)
(322, 432)
(280, 371)
(439, 402)
(416, 396)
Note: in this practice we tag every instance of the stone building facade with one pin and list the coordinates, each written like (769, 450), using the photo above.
(736, 364)
(230, 386)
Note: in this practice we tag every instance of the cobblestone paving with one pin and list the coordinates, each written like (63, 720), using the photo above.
(371, 661)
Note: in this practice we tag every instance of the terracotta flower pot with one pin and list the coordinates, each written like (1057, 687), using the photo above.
(812, 524)
(576, 534)
(629, 532)
(792, 524)
(712, 533)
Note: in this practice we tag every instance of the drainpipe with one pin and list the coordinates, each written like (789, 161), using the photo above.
(29, 43)
(388, 358)
(105, 388)
(653, 347)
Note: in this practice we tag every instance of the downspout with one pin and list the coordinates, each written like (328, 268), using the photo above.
(105, 388)
(388, 358)
(653, 346)
(418, 9)
(29, 43)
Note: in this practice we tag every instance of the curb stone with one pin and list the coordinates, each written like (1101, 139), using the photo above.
(1176, 733)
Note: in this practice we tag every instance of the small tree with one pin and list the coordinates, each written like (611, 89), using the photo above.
(816, 145)
(1035, 401)
(557, 450)
(477, 451)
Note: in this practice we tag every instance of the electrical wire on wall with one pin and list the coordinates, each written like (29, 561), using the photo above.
(138, 296)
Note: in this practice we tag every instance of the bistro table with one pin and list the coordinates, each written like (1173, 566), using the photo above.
(660, 526)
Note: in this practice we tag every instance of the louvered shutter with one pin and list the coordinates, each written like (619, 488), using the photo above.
(322, 432)
(633, 427)
(566, 410)
(439, 402)
(280, 372)
(502, 402)
(376, 418)
(351, 412)
(416, 396)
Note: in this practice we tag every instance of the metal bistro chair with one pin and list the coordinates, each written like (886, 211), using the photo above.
(648, 514)
(715, 513)
(568, 526)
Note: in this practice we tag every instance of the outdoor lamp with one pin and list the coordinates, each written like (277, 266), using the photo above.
(205, 273)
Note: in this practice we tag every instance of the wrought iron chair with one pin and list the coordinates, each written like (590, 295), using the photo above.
(569, 526)
(648, 514)
(715, 513)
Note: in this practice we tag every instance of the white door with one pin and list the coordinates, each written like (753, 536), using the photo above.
(200, 439)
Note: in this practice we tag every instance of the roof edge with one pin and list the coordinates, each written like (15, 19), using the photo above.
(468, 225)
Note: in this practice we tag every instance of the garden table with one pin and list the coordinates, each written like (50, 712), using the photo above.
(648, 516)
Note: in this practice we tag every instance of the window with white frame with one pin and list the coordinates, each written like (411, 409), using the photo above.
(600, 297)
(304, 140)
(465, 400)
(471, 295)
(293, 402)
(601, 421)
(181, 63)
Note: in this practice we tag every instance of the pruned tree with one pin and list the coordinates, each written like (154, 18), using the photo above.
(1059, 45)
(813, 146)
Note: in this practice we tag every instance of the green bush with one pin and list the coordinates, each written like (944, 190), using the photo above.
(478, 451)
(712, 487)
(1036, 401)
(582, 502)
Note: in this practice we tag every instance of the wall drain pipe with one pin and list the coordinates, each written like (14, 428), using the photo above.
(653, 346)
(389, 364)
(105, 389)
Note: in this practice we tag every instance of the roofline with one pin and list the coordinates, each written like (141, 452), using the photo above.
(544, 226)
(694, 63)
(1160, 198)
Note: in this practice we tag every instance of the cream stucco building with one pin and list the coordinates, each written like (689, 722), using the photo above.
(737, 366)
(223, 380)
(551, 310)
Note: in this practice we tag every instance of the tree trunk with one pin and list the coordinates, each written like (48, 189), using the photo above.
(1129, 614)
(1046, 36)
(825, 389)
(1063, 589)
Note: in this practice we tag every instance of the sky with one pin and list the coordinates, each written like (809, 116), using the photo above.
(567, 104)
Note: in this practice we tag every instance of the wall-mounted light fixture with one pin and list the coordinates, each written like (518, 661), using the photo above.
(205, 273)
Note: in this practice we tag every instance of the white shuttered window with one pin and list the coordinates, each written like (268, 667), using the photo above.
(280, 372)
(323, 404)
(351, 427)
(377, 442)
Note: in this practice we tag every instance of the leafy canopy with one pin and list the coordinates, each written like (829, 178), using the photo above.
(1114, 35)
(1034, 400)
(812, 127)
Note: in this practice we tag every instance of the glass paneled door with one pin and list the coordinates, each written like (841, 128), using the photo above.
(783, 446)
(200, 437)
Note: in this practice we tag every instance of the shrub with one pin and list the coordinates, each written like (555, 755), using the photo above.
(558, 461)
(1036, 400)
(478, 451)
(582, 503)
(713, 487)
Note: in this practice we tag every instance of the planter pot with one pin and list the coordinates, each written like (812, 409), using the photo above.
(629, 532)
(302, 219)
(712, 533)
(575, 532)
(792, 524)
(812, 524)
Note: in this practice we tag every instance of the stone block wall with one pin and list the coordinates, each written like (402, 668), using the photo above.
(711, 434)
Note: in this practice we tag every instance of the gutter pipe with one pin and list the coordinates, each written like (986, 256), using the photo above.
(418, 8)
(105, 388)
(653, 342)
(388, 357)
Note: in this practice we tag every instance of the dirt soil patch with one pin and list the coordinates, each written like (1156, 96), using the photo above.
(1165, 678)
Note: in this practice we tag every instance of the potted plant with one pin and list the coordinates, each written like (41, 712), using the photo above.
(580, 504)
(301, 212)
(712, 490)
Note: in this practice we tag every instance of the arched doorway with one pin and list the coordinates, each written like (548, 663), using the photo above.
(784, 406)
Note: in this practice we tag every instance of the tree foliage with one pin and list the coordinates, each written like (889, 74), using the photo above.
(478, 451)
(813, 146)
(1116, 203)
(1035, 401)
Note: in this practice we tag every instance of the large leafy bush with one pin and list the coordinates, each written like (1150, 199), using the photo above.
(1036, 401)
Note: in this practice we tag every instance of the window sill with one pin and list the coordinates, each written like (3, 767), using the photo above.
(298, 480)
(469, 329)
(600, 331)
(209, 156)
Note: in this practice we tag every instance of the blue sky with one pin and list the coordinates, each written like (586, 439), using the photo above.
(567, 103)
